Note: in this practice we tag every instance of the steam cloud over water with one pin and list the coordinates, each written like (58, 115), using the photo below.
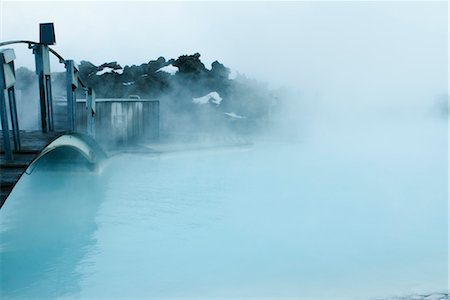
(319, 60)
(334, 181)
(194, 100)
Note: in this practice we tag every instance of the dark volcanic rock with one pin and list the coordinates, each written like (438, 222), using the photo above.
(190, 64)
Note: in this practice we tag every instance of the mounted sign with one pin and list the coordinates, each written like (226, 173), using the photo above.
(7, 73)
(47, 34)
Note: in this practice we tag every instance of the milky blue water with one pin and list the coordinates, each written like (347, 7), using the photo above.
(351, 213)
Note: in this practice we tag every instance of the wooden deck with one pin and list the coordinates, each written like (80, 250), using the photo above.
(12, 170)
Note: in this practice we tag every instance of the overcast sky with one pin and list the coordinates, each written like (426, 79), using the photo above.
(345, 48)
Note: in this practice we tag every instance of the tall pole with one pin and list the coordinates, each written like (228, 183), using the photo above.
(41, 53)
(72, 84)
(48, 87)
(42, 59)
(90, 111)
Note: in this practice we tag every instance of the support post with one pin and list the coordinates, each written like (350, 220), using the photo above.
(90, 112)
(72, 85)
(5, 126)
(48, 87)
(41, 53)
(7, 81)
(14, 118)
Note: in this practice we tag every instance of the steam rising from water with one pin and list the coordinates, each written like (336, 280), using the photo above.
(354, 204)
(270, 220)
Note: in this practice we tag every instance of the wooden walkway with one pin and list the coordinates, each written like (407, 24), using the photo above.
(11, 170)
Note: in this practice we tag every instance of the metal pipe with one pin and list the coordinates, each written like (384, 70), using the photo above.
(72, 83)
(43, 105)
(30, 45)
(48, 86)
(5, 127)
(14, 118)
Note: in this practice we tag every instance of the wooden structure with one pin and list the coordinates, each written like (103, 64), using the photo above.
(12, 169)
(120, 121)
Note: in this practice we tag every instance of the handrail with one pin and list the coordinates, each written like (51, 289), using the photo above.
(30, 43)
(61, 59)
(17, 42)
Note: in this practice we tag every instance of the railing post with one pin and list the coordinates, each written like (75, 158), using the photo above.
(90, 112)
(7, 81)
(72, 85)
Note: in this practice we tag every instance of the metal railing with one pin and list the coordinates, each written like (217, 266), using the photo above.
(7, 82)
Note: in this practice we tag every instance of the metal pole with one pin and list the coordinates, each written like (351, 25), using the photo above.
(37, 50)
(48, 85)
(43, 104)
(42, 60)
(72, 83)
(5, 127)
(14, 118)
(90, 107)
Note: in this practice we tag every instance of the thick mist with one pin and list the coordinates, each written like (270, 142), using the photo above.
(318, 60)
(326, 168)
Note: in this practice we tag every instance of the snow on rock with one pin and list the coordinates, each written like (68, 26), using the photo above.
(234, 116)
(109, 70)
(212, 97)
(128, 83)
(171, 69)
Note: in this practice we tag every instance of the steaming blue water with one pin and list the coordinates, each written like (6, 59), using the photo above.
(356, 213)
